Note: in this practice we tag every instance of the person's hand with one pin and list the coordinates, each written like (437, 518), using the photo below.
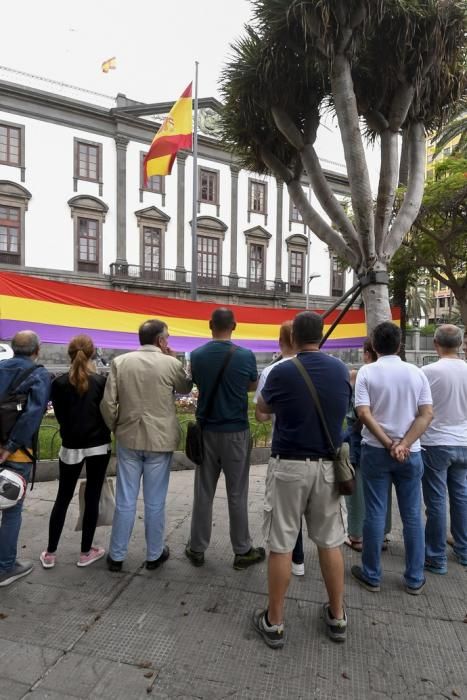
(400, 451)
(4, 454)
(168, 351)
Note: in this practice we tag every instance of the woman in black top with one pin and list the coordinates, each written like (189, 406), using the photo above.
(76, 397)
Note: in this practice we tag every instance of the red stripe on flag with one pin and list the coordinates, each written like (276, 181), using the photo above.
(165, 145)
(187, 91)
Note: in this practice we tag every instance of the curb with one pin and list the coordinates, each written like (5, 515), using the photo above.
(47, 470)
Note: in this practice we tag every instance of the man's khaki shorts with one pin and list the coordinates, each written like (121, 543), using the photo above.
(295, 489)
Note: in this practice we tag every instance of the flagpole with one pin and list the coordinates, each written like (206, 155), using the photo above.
(194, 248)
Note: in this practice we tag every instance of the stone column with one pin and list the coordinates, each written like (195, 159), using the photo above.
(233, 276)
(121, 143)
(279, 218)
(180, 269)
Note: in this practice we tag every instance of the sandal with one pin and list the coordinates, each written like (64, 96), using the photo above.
(356, 545)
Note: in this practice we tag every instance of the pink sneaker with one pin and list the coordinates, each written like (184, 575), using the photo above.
(47, 560)
(93, 555)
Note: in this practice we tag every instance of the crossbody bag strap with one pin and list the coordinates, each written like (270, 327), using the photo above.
(215, 388)
(314, 395)
(19, 380)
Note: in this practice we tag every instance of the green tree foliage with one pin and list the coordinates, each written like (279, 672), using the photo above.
(437, 242)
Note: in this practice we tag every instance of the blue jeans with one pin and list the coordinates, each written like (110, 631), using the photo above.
(445, 469)
(154, 467)
(11, 521)
(379, 469)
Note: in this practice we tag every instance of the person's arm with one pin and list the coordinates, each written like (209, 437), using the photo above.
(182, 383)
(368, 420)
(109, 405)
(418, 427)
(253, 383)
(30, 420)
(263, 408)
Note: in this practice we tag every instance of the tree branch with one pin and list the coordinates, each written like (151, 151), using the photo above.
(414, 194)
(327, 198)
(348, 119)
(287, 128)
(319, 226)
(388, 180)
(276, 166)
(400, 105)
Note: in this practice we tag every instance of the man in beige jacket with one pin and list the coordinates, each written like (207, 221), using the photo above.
(138, 405)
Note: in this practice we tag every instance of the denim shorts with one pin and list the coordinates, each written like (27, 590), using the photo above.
(302, 488)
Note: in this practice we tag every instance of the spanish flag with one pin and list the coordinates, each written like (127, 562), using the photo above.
(174, 134)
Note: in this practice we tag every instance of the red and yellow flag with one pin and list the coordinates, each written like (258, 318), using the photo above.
(174, 134)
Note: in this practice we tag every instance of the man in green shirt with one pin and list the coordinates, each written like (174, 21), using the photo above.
(226, 439)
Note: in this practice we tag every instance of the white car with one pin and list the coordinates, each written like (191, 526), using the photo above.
(5, 351)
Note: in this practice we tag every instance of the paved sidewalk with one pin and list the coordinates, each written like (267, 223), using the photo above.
(181, 632)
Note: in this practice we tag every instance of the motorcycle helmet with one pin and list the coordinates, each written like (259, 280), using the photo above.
(12, 488)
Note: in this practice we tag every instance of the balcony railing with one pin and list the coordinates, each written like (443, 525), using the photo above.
(166, 277)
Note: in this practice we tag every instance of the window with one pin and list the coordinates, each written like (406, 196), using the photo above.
(257, 197)
(442, 303)
(294, 213)
(297, 271)
(88, 163)
(208, 186)
(152, 250)
(88, 214)
(208, 258)
(155, 183)
(88, 245)
(337, 277)
(10, 145)
(256, 267)
(10, 235)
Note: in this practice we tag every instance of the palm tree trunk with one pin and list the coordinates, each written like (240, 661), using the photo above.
(377, 307)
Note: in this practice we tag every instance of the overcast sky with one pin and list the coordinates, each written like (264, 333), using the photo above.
(155, 41)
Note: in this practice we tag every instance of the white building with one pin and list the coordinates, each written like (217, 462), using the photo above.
(73, 206)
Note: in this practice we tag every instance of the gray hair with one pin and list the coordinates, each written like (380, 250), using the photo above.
(448, 336)
(25, 343)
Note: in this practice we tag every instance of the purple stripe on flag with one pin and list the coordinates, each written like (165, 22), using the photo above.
(129, 341)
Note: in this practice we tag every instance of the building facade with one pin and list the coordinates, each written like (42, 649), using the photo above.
(74, 206)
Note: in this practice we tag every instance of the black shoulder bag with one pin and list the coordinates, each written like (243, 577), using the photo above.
(194, 447)
(343, 469)
(12, 404)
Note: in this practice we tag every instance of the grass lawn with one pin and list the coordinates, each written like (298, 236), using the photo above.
(49, 436)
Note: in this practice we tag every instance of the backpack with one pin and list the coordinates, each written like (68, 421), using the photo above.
(12, 404)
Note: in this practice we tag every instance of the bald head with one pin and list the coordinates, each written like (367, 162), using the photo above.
(448, 338)
(25, 344)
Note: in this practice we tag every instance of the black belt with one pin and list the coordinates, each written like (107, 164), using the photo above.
(301, 458)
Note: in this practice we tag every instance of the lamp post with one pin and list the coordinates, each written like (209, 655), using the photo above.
(311, 277)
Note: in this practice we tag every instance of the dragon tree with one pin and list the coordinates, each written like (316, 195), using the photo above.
(384, 68)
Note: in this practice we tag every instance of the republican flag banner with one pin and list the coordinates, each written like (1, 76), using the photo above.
(174, 134)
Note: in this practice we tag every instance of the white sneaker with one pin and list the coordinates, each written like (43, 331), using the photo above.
(298, 569)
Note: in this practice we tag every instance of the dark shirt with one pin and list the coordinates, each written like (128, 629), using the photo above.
(79, 417)
(298, 429)
(37, 388)
(230, 410)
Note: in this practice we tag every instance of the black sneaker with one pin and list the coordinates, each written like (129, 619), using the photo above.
(113, 565)
(20, 569)
(255, 556)
(156, 563)
(196, 558)
(357, 573)
(417, 590)
(273, 635)
(337, 629)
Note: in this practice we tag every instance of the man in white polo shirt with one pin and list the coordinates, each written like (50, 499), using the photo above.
(393, 401)
(445, 452)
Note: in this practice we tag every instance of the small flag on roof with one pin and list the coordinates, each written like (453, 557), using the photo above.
(109, 64)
